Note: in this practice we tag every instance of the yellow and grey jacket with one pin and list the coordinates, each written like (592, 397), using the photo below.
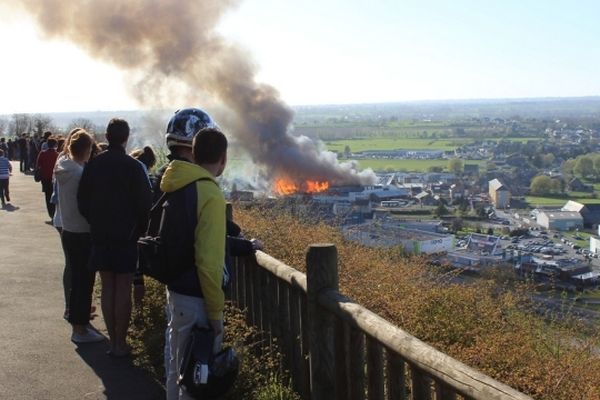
(202, 199)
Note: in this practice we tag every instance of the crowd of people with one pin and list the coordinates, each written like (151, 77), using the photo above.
(99, 199)
(24, 148)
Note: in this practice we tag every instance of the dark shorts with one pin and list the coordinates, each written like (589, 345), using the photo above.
(117, 258)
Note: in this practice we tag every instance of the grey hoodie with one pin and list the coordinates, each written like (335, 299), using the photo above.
(68, 173)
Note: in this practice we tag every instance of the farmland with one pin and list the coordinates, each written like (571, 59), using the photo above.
(404, 143)
(393, 143)
(407, 164)
(535, 201)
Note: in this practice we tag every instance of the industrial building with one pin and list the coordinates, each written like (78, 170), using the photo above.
(589, 212)
(561, 273)
(499, 194)
(560, 220)
(412, 241)
(480, 251)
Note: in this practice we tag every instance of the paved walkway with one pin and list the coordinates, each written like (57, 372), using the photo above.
(37, 359)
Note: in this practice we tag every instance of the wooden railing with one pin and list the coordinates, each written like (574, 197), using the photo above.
(337, 349)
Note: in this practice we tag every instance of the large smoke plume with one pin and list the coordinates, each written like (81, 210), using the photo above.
(175, 58)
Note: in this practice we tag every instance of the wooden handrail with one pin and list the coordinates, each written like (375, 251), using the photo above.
(465, 380)
(282, 271)
(422, 360)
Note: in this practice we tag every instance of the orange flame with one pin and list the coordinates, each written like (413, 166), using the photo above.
(284, 186)
(316, 186)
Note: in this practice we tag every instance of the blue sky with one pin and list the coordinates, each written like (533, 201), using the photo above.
(401, 50)
(333, 51)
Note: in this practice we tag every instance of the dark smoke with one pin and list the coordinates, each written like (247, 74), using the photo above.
(175, 59)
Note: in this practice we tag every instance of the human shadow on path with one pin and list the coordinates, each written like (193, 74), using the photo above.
(122, 380)
(9, 207)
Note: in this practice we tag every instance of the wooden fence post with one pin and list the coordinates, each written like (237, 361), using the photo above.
(230, 293)
(321, 274)
(229, 211)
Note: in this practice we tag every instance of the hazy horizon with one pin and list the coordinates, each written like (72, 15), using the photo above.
(470, 101)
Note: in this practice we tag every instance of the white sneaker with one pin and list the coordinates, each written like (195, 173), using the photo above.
(90, 336)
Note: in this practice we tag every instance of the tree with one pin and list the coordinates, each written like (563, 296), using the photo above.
(584, 166)
(20, 123)
(455, 165)
(83, 123)
(457, 225)
(347, 151)
(597, 164)
(463, 206)
(568, 166)
(41, 124)
(543, 184)
(435, 168)
(441, 209)
(3, 126)
(548, 159)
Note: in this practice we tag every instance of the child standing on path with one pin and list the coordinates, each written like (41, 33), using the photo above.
(5, 170)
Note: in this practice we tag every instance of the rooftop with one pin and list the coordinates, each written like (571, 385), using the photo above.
(562, 215)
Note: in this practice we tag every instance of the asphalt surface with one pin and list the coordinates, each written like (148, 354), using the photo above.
(37, 359)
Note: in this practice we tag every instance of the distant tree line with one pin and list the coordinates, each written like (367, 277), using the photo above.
(37, 124)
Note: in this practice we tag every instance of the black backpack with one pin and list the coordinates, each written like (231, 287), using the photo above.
(167, 251)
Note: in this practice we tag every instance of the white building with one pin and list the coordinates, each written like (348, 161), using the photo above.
(560, 220)
(595, 244)
(411, 240)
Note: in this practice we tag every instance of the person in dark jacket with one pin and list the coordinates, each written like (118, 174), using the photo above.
(45, 164)
(4, 146)
(180, 132)
(34, 151)
(12, 149)
(23, 153)
(114, 196)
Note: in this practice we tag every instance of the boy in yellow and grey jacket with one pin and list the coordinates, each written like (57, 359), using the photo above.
(196, 297)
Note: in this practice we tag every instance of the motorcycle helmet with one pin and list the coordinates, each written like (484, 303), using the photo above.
(185, 124)
(204, 375)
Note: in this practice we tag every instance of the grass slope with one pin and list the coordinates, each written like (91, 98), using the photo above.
(485, 324)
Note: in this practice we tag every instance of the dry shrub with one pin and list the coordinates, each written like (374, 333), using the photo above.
(260, 376)
(486, 324)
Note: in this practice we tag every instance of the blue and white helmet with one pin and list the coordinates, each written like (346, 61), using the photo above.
(185, 124)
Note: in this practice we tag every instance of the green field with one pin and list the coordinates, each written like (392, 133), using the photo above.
(357, 145)
(393, 143)
(584, 242)
(408, 165)
(535, 201)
